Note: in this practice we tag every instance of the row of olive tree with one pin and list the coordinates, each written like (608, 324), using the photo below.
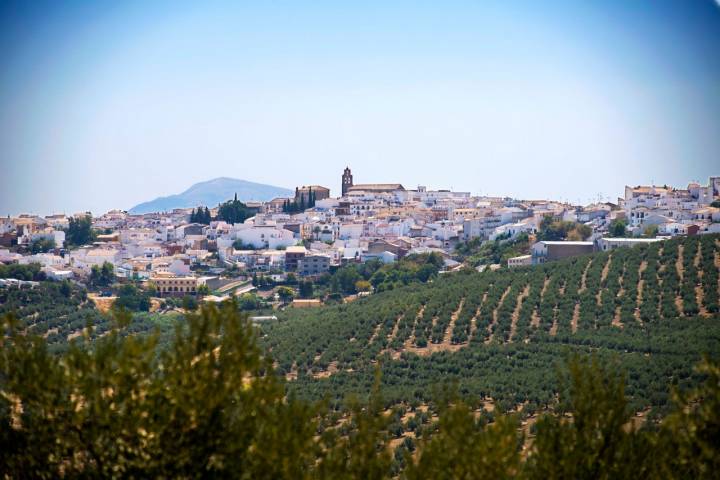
(210, 405)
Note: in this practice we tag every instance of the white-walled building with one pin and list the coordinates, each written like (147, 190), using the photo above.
(350, 230)
(264, 236)
(44, 259)
(521, 261)
(85, 258)
(607, 244)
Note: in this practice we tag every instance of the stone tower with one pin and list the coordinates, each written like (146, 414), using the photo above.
(347, 181)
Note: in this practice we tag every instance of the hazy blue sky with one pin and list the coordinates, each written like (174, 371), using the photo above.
(107, 104)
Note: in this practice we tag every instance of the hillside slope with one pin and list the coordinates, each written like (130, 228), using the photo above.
(501, 334)
(60, 312)
(211, 193)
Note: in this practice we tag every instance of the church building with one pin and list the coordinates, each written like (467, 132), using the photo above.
(348, 186)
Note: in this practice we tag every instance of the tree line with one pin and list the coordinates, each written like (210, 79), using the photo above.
(201, 215)
(295, 206)
(233, 211)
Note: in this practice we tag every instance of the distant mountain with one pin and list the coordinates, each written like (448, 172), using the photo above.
(213, 192)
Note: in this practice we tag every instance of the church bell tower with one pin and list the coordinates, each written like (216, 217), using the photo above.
(347, 181)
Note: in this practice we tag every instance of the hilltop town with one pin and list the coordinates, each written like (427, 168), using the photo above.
(288, 249)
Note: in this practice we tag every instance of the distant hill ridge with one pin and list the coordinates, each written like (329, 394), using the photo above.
(213, 192)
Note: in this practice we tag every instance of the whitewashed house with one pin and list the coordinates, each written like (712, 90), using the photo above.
(264, 236)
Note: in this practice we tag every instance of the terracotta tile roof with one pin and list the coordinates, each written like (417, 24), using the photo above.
(376, 187)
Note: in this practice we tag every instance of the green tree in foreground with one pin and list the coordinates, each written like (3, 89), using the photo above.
(595, 439)
(207, 406)
(691, 444)
(210, 405)
(362, 451)
(466, 447)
